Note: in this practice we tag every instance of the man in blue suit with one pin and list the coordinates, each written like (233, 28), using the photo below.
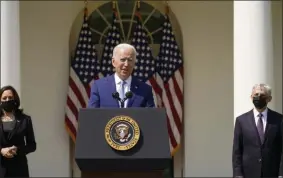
(122, 81)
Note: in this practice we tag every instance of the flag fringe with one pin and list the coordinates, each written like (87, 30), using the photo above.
(175, 150)
(70, 133)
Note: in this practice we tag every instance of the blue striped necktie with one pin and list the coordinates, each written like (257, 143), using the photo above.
(122, 91)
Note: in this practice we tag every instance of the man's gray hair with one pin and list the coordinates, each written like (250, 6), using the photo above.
(264, 87)
(124, 45)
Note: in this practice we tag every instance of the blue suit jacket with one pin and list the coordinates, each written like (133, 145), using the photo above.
(102, 89)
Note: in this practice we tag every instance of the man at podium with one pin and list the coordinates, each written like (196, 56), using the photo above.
(122, 143)
(121, 90)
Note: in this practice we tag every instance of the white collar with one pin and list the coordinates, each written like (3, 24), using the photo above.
(118, 80)
(264, 113)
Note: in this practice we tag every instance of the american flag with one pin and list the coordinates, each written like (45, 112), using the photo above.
(113, 39)
(84, 69)
(169, 66)
(145, 64)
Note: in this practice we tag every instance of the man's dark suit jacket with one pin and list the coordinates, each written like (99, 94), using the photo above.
(22, 136)
(102, 89)
(251, 159)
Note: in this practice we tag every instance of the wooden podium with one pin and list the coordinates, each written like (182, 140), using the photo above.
(105, 135)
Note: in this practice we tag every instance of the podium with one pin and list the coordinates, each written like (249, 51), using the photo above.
(122, 143)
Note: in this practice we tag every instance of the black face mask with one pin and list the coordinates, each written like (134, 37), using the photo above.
(8, 106)
(259, 102)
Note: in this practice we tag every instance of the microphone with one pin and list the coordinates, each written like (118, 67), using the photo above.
(115, 95)
(128, 95)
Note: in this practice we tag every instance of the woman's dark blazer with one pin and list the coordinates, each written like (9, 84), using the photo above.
(22, 136)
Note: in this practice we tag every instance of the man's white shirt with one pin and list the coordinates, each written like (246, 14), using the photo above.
(264, 117)
(118, 83)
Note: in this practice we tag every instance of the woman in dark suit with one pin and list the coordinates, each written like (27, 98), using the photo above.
(17, 135)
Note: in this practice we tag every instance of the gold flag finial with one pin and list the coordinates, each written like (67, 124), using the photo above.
(113, 5)
(85, 9)
(139, 5)
(167, 9)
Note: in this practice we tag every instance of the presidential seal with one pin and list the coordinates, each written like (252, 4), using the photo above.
(122, 133)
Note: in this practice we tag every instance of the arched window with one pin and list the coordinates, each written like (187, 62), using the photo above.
(101, 18)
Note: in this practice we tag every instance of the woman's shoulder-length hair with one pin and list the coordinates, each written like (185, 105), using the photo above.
(18, 111)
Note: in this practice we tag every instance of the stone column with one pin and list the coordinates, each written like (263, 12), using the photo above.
(253, 51)
(10, 44)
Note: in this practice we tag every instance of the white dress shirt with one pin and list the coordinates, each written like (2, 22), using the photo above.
(127, 86)
(264, 117)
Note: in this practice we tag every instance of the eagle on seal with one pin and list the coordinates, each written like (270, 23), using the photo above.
(122, 132)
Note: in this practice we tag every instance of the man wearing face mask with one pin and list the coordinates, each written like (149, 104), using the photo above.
(258, 139)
